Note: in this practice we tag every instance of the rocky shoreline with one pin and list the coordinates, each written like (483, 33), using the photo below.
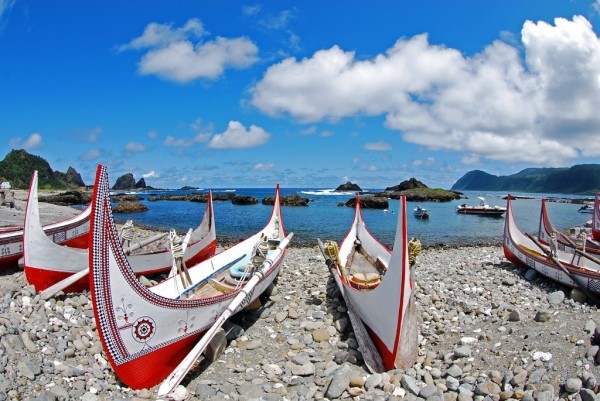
(488, 331)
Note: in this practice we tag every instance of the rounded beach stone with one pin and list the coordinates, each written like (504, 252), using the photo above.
(573, 385)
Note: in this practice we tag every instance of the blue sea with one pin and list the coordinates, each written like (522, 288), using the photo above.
(324, 219)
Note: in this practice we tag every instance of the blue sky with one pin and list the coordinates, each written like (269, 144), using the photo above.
(305, 94)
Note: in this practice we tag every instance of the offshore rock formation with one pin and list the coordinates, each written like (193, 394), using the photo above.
(68, 198)
(416, 191)
(129, 207)
(124, 183)
(349, 187)
(408, 184)
(291, 200)
(244, 200)
(369, 202)
(141, 184)
(193, 197)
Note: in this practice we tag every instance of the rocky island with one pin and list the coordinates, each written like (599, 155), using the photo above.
(416, 191)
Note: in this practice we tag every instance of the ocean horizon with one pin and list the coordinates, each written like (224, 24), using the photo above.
(323, 218)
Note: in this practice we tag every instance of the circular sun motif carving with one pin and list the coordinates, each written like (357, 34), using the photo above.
(143, 329)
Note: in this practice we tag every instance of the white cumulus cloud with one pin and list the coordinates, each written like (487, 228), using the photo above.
(263, 166)
(378, 146)
(179, 54)
(238, 136)
(173, 142)
(135, 147)
(159, 35)
(540, 108)
(34, 141)
(5, 6)
(91, 154)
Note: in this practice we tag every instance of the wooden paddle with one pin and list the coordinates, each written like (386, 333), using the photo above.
(367, 348)
(62, 284)
(186, 364)
(143, 243)
(590, 296)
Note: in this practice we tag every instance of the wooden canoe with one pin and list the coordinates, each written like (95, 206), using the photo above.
(596, 219)
(522, 250)
(72, 232)
(147, 332)
(382, 309)
(46, 263)
(567, 245)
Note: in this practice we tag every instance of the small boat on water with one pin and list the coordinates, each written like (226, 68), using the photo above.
(483, 209)
(71, 232)
(377, 288)
(421, 212)
(51, 268)
(587, 208)
(550, 261)
(149, 334)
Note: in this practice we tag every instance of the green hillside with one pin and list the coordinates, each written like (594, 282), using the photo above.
(18, 166)
(579, 179)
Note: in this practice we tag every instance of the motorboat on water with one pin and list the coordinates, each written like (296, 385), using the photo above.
(482, 209)
(421, 212)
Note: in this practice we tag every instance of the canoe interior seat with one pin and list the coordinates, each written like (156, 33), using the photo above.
(364, 281)
(221, 286)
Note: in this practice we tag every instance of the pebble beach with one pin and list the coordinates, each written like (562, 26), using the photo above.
(489, 330)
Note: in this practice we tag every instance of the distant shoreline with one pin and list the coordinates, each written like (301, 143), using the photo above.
(51, 213)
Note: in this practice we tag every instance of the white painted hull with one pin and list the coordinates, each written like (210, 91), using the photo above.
(72, 232)
(387, 310)
(146, 332)
(46, 263)
(521, 250)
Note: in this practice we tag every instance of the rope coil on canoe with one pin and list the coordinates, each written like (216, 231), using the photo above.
(332, 251)
(127, 231)
(414, 249)
(260, 252)
(176, 244)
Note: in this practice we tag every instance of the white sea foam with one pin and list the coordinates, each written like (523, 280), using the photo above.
(327, 192)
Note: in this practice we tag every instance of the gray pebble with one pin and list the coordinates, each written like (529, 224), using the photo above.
(573, 385)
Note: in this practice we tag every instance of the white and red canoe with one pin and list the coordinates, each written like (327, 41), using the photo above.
(72, 232)
(46, 263)
(596, 219)
(565, 243)
(377, 287)
(147, 332)
(522, 250)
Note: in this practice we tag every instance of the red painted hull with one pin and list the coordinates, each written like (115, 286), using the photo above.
(147, 332)
(596, 219)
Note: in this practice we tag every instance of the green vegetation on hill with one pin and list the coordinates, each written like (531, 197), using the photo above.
(579, 179)
(18, 166)
(416, 191)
